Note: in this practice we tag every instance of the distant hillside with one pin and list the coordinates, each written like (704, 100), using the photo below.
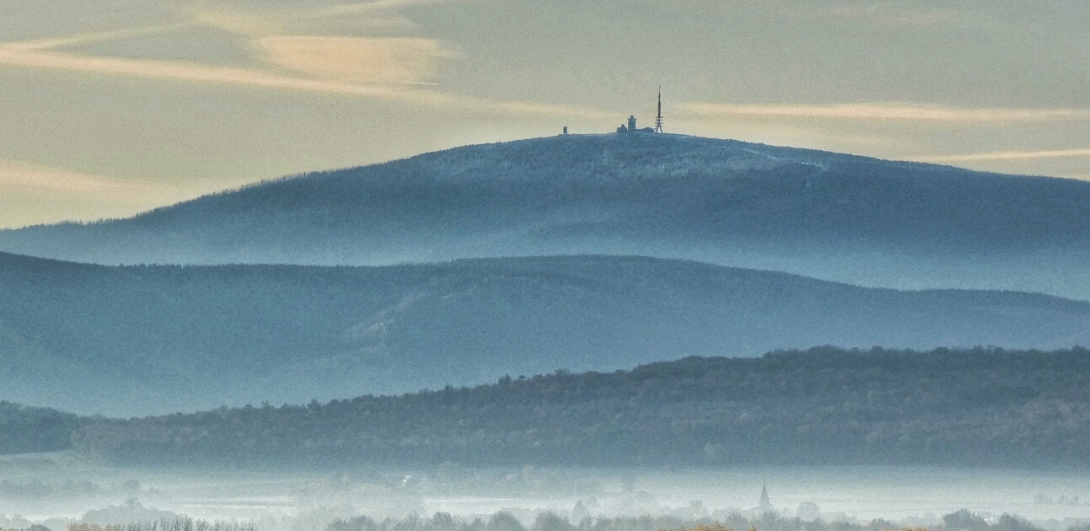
(837, 217)
(818, 407)
(154, 339)
(35, 429)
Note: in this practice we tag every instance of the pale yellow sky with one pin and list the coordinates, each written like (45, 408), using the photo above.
(110, 107)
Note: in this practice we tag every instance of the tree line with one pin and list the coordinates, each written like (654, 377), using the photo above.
(962, 520)
(977, 407)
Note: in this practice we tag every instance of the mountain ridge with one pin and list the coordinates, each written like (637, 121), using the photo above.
(146, 339)
(837, 217)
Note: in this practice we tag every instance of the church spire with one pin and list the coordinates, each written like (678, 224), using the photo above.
(765, 505)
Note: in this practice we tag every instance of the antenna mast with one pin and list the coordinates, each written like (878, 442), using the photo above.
(658, 119)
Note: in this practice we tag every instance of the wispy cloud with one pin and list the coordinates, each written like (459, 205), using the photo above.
(374, 6)
(33, 193)
(29, 176)
(253, 24)
(882, 111)
(1006, 155)
(96, 37)
(273, 21)
(385, 85)
(357, 60)
(177, 71)
(396, 69)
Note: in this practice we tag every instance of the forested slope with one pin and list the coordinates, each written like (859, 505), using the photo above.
(822, 406)
(25, 429)
(140, 340)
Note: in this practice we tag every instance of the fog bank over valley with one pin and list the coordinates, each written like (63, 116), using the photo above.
(642, 499)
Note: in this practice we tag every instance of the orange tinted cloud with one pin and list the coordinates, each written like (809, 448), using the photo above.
(199, 73)
(881, 111)
(355, 59)
(193, 72)
(95, 37)
(24, 175)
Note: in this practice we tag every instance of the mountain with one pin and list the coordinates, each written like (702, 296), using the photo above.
(131, 340)
(986, 408)
(836, 217)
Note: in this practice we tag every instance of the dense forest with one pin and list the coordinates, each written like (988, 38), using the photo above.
(26, 429)
(979, 407)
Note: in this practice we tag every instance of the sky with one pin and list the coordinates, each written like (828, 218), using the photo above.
(112, 107)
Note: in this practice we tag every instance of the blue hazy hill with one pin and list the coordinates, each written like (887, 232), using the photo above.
(838, 217)
(126, 340)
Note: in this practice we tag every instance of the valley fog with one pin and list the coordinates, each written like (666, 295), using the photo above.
(55, 489)
(391, 265)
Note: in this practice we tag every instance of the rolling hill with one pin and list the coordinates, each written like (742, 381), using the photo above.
(825, 406)
(134, 340)
(836, 217)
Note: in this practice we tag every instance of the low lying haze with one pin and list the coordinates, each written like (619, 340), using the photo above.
(111, 107)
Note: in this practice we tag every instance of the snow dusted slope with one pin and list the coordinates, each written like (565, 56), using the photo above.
(838, 217)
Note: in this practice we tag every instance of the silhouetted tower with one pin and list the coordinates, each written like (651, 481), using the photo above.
(658, 119)
(632, 124)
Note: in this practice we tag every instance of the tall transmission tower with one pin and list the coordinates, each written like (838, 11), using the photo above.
(658, 119)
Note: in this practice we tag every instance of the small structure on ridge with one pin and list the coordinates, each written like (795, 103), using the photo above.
(631, 127)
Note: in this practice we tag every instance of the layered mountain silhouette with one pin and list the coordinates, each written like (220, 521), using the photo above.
(837, 217)
(134, 340)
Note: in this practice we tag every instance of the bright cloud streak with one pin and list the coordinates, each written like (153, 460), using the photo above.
(96, 37)
(1006, 155)
(24, 175)
(31, 194)
(377, 5)
(198, 73)
(876, 111)
(357, 60)
(182, 72)
(393, 69)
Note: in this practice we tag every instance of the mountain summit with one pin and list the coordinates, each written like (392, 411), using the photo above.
(838, 217)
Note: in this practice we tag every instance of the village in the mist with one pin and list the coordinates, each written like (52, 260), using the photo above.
(542, 265)
(55, 490)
